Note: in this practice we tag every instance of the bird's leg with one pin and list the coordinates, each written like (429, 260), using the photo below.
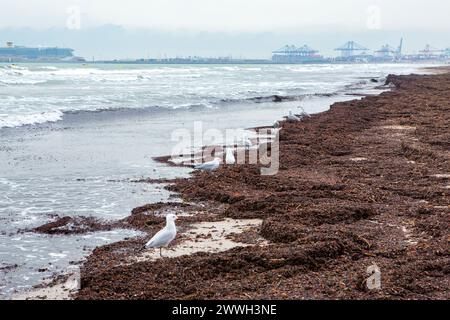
(160, 252)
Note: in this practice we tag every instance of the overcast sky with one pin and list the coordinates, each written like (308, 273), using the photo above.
(229, 15)
(251, 28)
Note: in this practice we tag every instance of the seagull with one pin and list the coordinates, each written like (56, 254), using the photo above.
(209, 166)
(247, 142)
(304, 114)
(229, 159)
(292, 118)
(164, 236)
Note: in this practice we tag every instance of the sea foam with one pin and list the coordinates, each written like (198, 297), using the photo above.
(29, 119)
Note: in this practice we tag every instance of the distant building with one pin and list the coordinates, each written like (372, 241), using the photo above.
(293, 54)
(386, 52)
(12, 53)
(430, 52)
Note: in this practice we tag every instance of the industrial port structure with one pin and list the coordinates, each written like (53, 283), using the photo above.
(293, 54)
(351, 49)
(350, 52)
(353, 52)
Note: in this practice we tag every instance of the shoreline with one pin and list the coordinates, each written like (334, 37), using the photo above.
(315, 214)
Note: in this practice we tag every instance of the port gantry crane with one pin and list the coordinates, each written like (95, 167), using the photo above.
(350, 49)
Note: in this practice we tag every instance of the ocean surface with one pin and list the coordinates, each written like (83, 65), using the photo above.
(73, 138)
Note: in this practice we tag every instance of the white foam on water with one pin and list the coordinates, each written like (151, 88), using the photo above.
(36, 94)
(10, 121)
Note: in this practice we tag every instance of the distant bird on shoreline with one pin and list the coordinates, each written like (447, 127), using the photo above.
(230, 159)
(209, 166)
(295, 118)
(247, 142)
(303, 113)
(276, 125)
(165, 236)
(292, 118)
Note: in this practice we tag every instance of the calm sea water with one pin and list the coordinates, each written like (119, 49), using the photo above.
(73, 136)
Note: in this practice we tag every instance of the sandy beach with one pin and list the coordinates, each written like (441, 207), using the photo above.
(364, 184)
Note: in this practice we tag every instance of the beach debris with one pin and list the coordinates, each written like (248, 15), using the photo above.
(441, 176)
(165, 236)
(359, 159)
(230, 159)
(209, 166)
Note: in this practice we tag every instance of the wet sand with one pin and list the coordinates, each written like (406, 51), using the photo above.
(365, 183)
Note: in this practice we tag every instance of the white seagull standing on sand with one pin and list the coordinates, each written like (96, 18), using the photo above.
(209, 166)
(230, 159)
(165, 236)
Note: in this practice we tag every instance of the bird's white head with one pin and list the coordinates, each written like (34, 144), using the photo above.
(216, 160)
(171, 217)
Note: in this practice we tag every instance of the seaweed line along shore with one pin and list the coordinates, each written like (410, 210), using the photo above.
(363, 185)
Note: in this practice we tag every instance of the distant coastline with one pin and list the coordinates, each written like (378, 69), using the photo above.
(254, 61)
(214, 61)
(351, 52)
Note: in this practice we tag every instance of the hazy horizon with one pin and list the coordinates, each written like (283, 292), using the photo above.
(253, 29)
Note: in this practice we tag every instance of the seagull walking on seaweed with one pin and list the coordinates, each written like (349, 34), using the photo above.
(165, 236)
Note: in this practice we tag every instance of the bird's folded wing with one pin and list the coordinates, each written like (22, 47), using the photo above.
(204, 166)
(162, 238)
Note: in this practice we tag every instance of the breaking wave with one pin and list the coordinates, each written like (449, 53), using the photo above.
(36, 94)
(11, 121)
